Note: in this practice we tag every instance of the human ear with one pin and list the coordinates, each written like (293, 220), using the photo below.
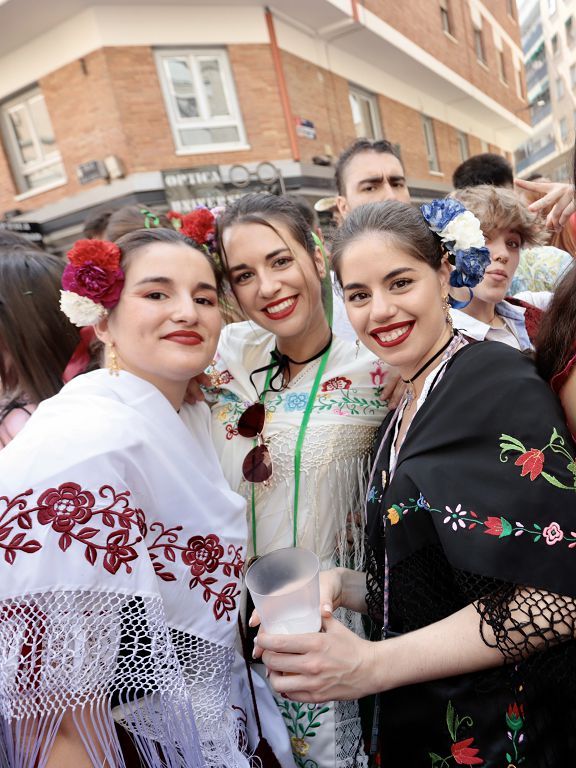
(102, 331)
(320, 263)
(444, 275)
(342, 205)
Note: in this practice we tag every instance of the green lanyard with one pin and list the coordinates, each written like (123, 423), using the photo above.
(298, 450)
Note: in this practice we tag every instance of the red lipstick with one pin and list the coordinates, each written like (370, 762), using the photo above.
(388, 328)
(188, 338)
(284, 312)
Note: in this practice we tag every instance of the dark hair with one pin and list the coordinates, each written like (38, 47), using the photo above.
(399, 221)
(361, 145)
(10, 239)
(95, 225)
(487, 168)
(130, 218)
(556, 340)
(141, 238)
(307, 212)
(263, 208)
(36, 335)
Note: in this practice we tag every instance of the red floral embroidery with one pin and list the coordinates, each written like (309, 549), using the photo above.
(464, 754)
(230, 432)
(338, 382)
(65, 509)
(203, 555)
(378, 375)
(531, 462)
(224, 377)
(65, 506)
(493, 526)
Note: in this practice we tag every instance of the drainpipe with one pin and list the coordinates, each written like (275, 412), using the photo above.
(284, 99)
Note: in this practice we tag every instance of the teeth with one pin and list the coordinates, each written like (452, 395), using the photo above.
(393, 335)
(284, 305)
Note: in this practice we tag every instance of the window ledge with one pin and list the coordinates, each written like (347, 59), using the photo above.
(504, 82)
(213, 149)
(483, 64)
(435, 173)
(451, 37)
(40, 190)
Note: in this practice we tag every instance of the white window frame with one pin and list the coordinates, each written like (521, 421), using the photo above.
(21, 170)
(463, 145)
(372, 100)
(446, 17)
(479, 46)
(430, 143)
(177, 123)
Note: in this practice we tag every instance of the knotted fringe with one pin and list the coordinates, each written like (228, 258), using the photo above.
(162, 729)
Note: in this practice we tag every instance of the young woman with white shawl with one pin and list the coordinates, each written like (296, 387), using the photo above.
(121, 543)
(296, 411)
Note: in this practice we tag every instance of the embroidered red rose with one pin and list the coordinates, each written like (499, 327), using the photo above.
(64, 507)
(338, 382)
(465, 754)
(200, 225)
(203, 554)
(531, 462)
(118, 551)
(553, 534)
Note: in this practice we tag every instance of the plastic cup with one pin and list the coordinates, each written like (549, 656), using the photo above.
(285, 588)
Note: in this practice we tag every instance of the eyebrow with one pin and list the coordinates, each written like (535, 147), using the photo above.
(268, 256)
(168, 281)
(389, 276)
(380, 178)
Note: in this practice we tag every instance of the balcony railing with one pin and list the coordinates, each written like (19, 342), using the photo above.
(539, 113)
(534, 157)
(536, 76)
(529, 41)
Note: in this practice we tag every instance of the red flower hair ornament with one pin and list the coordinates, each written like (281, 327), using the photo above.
(92, 281)
(199, 225)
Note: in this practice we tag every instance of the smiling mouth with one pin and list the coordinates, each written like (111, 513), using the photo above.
(280, 309)
(188, 338)
(392, 336)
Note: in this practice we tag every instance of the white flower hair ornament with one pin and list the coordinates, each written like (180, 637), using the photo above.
(92, 281)
(462, 237)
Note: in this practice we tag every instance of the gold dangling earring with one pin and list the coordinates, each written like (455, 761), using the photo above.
(446, 309)
(357, 342)
(113, 367)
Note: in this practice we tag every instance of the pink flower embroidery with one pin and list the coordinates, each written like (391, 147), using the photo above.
(378, 375)
(65, 506)
(553, 533)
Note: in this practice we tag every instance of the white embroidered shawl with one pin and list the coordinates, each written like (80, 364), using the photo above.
(121, 549)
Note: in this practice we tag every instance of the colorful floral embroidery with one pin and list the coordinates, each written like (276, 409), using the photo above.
(499, 527)
(463, 752)
(296, 401)
(338, 382)
(532, 460)
(65, 509)
(203, 555)
(515, 723)
(302, 720)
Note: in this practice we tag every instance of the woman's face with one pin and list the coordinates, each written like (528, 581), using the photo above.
(394, 301)
(504, 246)
(166, 325)
(274, 278)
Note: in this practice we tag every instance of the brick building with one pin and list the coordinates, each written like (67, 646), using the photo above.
(101, 104)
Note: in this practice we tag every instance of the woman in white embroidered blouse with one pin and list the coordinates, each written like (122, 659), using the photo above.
(122, 544)
(322, 402)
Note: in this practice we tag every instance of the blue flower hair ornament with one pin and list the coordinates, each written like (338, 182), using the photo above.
(461, 235)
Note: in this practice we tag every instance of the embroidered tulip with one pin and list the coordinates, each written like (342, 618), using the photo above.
(531, 462)
(553, 534)
(514, 717)
(497, 526)
(465, 754)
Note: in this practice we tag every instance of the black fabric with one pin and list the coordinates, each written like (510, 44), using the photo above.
(460, 524)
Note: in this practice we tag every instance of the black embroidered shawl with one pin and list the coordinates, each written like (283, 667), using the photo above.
(482, 503)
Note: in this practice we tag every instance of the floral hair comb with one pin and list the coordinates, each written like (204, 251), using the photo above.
(462, 237)
(92, 281)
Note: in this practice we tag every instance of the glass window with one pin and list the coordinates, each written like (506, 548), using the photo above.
(563, 129)
(430, 140)
(511, 8)
(573, 75)
(559, 88)
(31, 144)
(445, 16)
(201, 100)
(479, 45)
(502, 67)
(463, 145)
(365, 113)
(555, 45)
